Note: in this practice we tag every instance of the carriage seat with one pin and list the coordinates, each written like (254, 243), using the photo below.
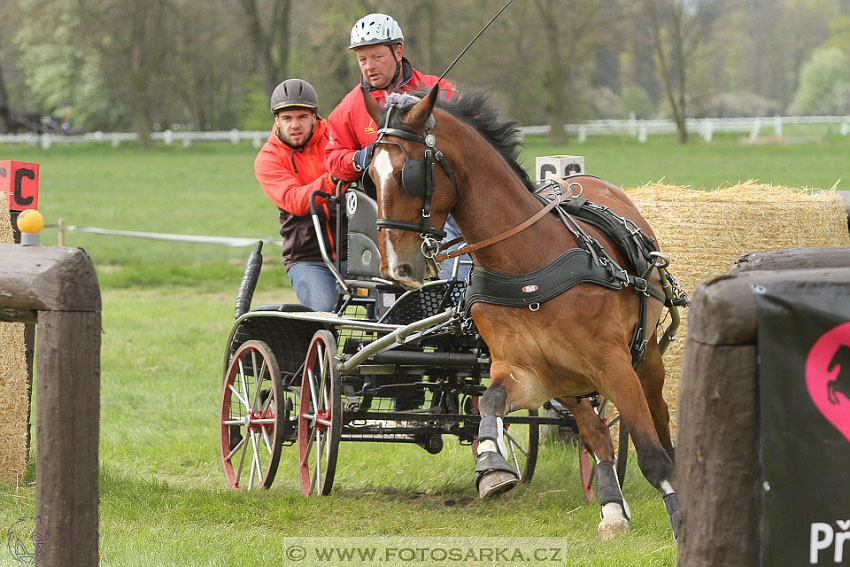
(363, 256)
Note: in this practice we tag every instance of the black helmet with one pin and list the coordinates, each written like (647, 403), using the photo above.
(294, 93)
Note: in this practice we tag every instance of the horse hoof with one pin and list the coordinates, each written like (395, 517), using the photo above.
(495, 483)
(609, 529)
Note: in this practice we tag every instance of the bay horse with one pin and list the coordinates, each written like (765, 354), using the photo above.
(563, 347)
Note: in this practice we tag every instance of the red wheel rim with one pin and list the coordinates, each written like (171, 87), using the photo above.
(250, 435)
(319, 430)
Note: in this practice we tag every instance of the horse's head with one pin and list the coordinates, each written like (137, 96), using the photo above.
(414, 187)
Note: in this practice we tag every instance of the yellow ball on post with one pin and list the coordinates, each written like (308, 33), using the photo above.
(30, 222)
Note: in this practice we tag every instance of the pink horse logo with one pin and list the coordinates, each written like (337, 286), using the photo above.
(828, 377)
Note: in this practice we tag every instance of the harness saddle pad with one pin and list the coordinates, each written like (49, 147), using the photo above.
(571, 268)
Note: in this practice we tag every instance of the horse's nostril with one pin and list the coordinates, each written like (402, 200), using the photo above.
(404, 270)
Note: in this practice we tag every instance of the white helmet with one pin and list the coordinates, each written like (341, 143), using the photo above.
(375, 29)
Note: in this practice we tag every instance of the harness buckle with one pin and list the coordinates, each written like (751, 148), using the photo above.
(640, 285)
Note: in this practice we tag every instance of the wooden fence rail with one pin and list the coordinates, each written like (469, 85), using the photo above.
(633, 128)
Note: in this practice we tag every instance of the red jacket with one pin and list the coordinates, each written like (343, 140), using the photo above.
(288, 176)
(352, 128)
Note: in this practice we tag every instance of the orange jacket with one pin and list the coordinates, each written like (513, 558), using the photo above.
(288, 176)
(352, 128)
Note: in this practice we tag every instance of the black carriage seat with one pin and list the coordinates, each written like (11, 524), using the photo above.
(363, 256)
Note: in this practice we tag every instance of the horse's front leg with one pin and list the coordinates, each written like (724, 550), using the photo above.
(595, 435)
(493, 474)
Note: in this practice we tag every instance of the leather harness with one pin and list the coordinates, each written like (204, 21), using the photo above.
(589, 263)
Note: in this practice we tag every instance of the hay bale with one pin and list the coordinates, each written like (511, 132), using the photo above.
(14, 387)
(705, 232)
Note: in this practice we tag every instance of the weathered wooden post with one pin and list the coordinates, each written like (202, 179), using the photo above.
(57, 289)
(718, 472)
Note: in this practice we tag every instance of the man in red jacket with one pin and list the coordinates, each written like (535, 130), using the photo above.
(378, 42)
(289, 167)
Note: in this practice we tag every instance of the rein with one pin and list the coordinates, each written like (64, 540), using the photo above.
(494, 239)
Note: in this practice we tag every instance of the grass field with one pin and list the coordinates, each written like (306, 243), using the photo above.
(166, 313)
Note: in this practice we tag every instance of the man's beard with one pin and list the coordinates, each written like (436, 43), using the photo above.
(306, 137)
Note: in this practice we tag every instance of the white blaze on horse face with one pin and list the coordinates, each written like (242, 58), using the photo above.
(382, 165)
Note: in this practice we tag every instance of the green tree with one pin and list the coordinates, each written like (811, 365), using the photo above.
(823, 83)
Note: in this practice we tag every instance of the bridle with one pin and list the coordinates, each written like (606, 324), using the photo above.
(417, 180)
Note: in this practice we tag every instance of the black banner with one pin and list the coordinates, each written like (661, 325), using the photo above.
(804, 381)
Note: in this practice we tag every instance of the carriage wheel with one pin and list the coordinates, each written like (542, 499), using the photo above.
(320, 416)
(587, 464)
(250, 432)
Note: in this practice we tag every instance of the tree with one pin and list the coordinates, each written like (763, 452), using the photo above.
(270, 42)
(823, 83)
(671, 22)
(569, 41)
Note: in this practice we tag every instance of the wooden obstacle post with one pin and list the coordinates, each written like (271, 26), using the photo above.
(718, 472)
(57, 289)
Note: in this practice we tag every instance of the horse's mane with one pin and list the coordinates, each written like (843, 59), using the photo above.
(472, 108)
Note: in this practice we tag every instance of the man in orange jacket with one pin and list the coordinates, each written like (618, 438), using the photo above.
(289, 167)
(378, 43)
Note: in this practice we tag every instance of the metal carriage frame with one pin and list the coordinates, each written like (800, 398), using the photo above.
(293, 376)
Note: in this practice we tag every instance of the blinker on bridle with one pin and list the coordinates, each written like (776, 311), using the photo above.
(417, 180)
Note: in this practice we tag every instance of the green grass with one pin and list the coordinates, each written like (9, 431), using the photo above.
(167, 311)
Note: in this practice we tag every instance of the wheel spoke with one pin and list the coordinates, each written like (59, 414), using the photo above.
(255, 460)
(319, 452)
(239, 397)
(515, 443)
(267, 441)
(312, 379)
(309, 446)
(323, 374)
(246, 394)
(236, 448)
(242, 459)
(258, 377)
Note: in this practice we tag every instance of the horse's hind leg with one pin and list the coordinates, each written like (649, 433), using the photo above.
(623, 388)
(493, 474)
(651, 375)
(596, 436)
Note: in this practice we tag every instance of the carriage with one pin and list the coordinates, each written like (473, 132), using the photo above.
(388, 365)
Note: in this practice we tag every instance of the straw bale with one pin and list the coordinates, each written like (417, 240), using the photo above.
(704, 232)
(14, 392)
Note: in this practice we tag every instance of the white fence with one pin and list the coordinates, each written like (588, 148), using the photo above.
(633, 128)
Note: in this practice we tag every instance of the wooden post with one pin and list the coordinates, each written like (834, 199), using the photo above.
(57, 289)
(717, 459)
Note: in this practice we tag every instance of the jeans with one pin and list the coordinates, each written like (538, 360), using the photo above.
(452, 231)
(314, 285)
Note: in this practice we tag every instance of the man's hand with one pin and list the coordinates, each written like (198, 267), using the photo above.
(362, 158)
